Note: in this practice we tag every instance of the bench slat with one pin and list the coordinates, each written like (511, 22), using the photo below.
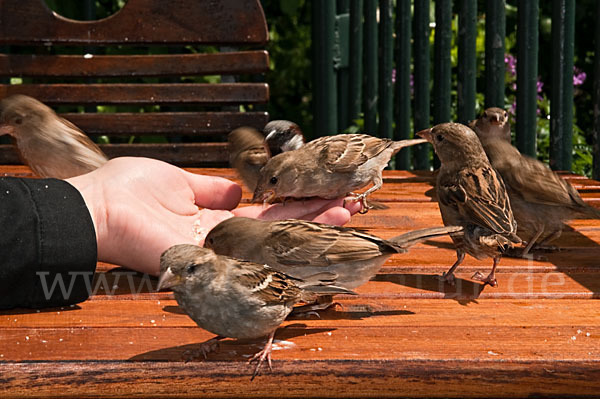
(134, 65)
(138, 22)
(166, 123)
(133, 93)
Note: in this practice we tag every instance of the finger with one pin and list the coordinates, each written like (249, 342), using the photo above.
(214, 192)
(337, 216)
(298, 209)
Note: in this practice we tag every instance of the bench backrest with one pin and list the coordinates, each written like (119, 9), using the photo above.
(103, 69)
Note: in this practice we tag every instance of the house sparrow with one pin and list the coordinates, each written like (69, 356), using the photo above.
(471, 194)
(541, 200)
(247, 154)
(235, 298)
(283, 136)
(50, 145)
(300, 248)
(328, 167)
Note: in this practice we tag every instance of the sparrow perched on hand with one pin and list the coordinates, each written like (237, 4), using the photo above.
(541, 200)
(471, 194)
(247, 154)
(301, 249)
(234, 298)
(51, 146)
(328, 167)
(282, 136)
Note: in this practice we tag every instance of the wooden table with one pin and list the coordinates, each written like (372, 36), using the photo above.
(406, 334)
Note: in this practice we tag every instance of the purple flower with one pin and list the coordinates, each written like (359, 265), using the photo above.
(578, 76)
(511, 63)
(394, 75)
(539, 85)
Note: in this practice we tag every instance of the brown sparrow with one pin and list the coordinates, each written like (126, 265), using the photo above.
(328, 167)
(471, 194)
(541, 200)
(282, 136)
(301, 249)
(51, 146)
(247, 154)
(235, 298)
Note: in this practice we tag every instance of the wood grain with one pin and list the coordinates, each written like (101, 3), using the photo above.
(405, 335)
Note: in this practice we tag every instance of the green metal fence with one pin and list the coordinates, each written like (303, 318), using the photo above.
(358, 44)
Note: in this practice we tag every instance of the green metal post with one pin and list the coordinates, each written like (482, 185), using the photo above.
(467, 67)
(356, 59)
(341, 63)
(561, 101)
(442, 66)
(402, 85)
(495, 34)
(527, 73)
(371, 60)
(422, 76)
(596, 169)
(386, 94)
(324, 80)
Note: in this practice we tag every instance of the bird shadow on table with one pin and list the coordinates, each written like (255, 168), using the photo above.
(231, 349)
(463, 291)
(57, 309)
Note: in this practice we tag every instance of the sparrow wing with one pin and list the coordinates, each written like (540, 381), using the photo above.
(346, 152)
(480, 195)
(534, 181)
(266, 284)
(305, 243)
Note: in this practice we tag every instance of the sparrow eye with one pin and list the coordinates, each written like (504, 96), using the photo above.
(191, 269)
(210, 241)
(439, 138)
(273, 180)
(18, 120)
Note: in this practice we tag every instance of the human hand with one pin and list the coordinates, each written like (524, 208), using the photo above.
(141, 207)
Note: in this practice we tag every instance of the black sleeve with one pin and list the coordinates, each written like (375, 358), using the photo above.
(47, 244)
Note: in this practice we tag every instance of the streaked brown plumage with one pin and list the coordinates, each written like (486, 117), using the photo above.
(51, 146)
(328, 167)
(471, 194)
(301, 249)
(247, 154)
(541, 200)
(234, 298)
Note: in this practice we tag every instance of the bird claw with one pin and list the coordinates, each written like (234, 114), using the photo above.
(265, 353)
(447, 278)
(489, 280)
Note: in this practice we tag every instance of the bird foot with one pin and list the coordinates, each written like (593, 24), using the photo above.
(447, 278)
(260, 357)
(489, 280)
(212, 345)
(362, 198)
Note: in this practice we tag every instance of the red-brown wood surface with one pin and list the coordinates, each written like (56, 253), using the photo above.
(404, 335)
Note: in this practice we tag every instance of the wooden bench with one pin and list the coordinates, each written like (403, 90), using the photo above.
(106, 62)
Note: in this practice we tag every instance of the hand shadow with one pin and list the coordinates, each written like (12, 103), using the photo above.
(231, 349)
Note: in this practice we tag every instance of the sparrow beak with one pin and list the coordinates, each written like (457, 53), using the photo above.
(426, 134)
(7, 129)
(167, 279)
(266, 196)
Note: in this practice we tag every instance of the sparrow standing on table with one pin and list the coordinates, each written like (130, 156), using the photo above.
(301, 249)
(234, 298)
(282, 136)
(247, 154)
(328, 167)
(541, 200)
(51, 146)
(471, 194)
